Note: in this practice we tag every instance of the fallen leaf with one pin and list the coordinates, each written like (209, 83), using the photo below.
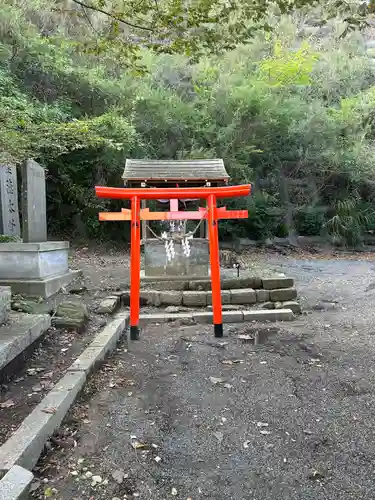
(265, 432)
(174, 492)
(19, 379)
(217, 380)
(228, 386)
(157, 459)
(137, 445)
(48, 493)
(227, 362)
(262, 424)
(37, 388)
(246, 444)
(9, 403)
(51, 410)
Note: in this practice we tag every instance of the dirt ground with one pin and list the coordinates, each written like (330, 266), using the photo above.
(182, 415)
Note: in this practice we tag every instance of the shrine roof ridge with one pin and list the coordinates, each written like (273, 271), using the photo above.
(176, 170)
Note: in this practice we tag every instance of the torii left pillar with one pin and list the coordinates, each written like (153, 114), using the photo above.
(135, 267)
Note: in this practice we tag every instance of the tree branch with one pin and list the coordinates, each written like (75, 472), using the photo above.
(116, 18)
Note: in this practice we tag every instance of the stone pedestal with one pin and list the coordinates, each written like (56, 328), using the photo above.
(35, 269)
(157, 265)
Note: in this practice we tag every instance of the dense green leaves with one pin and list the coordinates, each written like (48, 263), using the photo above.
(291, 112)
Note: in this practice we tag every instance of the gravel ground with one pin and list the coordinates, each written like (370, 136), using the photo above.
(180, 415)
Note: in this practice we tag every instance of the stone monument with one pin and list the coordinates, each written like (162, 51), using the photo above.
(9, 215)
(35, 267)
(34, 210)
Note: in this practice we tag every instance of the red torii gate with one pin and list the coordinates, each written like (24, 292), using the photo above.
(212, 213)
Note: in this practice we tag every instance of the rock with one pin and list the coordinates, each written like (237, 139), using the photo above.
(108, 305)
(70, 314)
(31, 307)
(293, 305)
(172, 309)
(324, 306)
(268, 305)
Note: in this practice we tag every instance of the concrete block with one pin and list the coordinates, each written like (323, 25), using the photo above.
(103, 343)
(5, 298)
(262, 295)
(274, 283)
(108, 305)
(228, 317)
(203, 317)
(271, 315)
(111, 333)
(225, 297)
(145, 319)
(15, 484)
(228, 307)
(169, 298)
(244, 296)
(27, 442)
(232, 316)
(22, 330)
(283, 294)
(240, 283)
(194, 299)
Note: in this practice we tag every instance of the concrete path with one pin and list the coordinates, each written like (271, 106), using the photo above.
(180, 415)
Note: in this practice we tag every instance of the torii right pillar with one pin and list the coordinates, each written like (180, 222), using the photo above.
(213, 236)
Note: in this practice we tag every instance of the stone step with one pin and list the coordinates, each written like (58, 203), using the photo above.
(22, 330)
(228, 316)
(202, 298)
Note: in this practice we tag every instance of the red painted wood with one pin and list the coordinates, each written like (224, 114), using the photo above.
(175, 193)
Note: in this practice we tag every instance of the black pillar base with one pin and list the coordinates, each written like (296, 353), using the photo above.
(218, 330)
(134, 333)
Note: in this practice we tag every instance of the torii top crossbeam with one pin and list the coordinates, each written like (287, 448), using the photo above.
(212, 213)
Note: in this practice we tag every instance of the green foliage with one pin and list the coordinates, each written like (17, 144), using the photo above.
(294, 115)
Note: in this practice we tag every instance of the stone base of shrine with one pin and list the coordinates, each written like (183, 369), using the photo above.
(158, 266)
(35, 269)
(41, 288)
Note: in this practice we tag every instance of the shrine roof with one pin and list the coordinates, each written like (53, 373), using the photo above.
(175, 170)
